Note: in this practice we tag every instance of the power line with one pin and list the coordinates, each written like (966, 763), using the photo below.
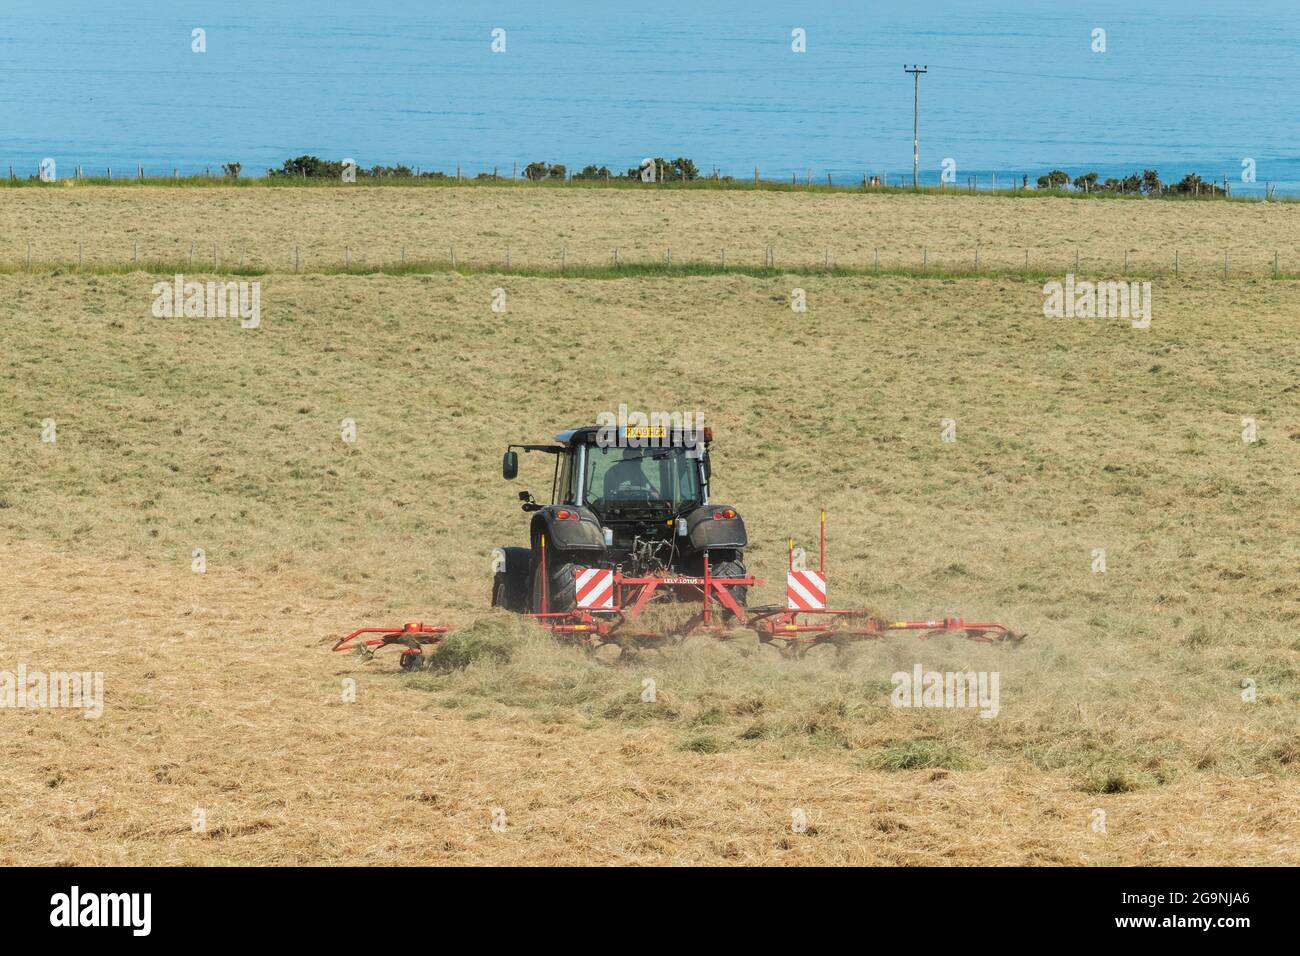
(916, 112)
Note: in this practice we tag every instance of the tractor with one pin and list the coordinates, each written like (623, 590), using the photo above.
(633, 500)
(630, 522)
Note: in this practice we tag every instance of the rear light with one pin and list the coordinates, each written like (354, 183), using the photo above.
(563, 515)
(719, 515)
(708, 433)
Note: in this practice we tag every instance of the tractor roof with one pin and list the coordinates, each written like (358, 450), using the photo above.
(588, 433)
(581, 433)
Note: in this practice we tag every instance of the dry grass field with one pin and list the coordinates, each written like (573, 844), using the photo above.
(1072, 435)
(371, 225)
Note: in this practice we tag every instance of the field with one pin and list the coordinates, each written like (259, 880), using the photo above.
(537, 227)
(221, 695)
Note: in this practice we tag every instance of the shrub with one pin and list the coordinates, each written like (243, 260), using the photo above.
(540, 171)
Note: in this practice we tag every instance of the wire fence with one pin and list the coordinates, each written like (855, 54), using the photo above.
(537, 173)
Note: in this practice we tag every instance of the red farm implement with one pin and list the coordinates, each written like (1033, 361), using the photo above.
(806, 621)
(412, 638)
(609, 605)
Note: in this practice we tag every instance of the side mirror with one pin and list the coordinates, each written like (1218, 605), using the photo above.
(510, 466)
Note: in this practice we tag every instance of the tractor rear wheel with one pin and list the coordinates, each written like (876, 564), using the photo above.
(561, 594)
(730, 565)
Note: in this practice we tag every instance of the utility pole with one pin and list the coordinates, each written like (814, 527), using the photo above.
(916, 110)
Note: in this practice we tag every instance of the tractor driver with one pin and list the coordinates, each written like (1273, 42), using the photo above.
(627, 478)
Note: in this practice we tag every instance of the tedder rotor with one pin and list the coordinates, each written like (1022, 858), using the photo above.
(631, 523)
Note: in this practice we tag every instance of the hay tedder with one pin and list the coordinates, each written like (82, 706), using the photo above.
(631, 524)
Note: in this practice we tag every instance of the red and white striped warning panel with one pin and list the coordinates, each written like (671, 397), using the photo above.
(805, 590)
(595, 588)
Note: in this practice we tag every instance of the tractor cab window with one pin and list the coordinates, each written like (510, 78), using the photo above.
(620, 478)
(563, 492)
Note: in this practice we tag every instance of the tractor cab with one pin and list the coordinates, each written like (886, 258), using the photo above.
(632, 498)
(633, 479)
(641, 471)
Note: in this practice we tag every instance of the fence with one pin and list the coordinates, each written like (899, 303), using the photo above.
(838, 180)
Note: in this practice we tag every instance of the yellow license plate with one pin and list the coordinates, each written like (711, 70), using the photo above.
(647, 432)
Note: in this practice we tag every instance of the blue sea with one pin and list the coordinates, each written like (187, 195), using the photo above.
(1012, 88)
